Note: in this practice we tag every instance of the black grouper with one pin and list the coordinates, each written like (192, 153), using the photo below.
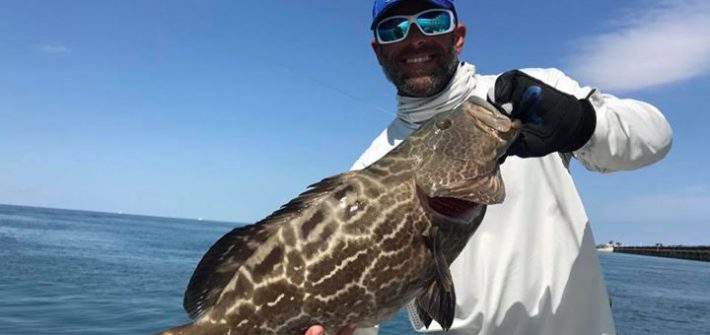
(358, 246)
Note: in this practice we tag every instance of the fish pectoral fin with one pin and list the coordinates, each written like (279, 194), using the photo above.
(438, 301)
(423, 315)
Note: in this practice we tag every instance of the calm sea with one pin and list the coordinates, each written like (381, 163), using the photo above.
(75, 272)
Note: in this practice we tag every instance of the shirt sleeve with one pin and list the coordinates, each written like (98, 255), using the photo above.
(388, 139)
(369, 156)
(629, 134)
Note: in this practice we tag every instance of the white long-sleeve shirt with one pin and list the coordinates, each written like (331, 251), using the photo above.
(531, 267)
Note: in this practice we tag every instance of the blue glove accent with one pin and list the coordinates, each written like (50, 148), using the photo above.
(530, 105)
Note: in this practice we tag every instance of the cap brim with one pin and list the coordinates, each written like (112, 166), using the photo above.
(383, 12)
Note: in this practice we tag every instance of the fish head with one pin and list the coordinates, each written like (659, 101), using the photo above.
(458, 167)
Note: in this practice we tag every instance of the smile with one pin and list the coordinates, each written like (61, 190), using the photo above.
(419, 59)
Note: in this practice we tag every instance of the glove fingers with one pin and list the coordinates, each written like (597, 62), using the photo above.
(516, 149)
(501, 94)
(532, 141)
(504, 87)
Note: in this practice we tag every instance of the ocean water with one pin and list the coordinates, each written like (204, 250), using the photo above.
(75, 272)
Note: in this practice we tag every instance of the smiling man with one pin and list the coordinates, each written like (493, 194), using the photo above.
(531, 267)
(424, 68)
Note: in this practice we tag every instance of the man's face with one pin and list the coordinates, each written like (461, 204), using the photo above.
(420, 65)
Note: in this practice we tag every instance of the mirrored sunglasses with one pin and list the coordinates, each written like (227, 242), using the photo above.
(431, 22)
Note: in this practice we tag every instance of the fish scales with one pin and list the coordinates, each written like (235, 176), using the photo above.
(358, 246)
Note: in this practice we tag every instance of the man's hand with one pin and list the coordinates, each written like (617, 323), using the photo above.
(318, 330)
(552, 121)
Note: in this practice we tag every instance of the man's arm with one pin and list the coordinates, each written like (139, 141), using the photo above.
(604, 132)
(630, 134)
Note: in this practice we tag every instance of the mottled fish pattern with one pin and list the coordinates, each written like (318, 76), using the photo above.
(358, 246)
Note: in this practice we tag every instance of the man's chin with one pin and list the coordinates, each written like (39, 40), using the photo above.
(422, 86)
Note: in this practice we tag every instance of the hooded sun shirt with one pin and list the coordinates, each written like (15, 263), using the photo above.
(531, 267)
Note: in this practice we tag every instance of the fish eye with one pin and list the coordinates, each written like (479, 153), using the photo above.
(443, 124)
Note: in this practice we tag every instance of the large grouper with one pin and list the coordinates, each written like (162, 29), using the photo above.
(356, 247)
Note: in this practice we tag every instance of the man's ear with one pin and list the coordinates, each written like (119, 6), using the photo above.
(459, 36)
(376, 48)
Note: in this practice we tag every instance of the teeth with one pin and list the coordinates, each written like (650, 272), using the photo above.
(418, 59)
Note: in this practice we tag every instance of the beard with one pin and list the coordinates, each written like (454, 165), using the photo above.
(423, 83)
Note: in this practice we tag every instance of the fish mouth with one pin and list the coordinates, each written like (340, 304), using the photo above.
(451, 210)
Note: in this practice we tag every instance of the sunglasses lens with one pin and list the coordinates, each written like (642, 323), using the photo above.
(393, 29)
(435, 22)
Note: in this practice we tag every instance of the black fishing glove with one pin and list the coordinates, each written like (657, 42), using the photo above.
(552, 121)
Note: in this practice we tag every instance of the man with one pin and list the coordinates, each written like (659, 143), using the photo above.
(531, 267)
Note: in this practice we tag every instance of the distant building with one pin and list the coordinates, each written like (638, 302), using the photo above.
(606, 247)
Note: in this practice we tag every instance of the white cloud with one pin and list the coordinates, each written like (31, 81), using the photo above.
(687, 205)
(667, 43)
(53, 49)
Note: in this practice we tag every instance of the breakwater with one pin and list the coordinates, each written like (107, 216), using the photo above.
(698, 253)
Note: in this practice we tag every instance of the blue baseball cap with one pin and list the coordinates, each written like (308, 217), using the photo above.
(381, 6)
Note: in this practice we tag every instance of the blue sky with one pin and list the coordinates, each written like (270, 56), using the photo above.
(225, 110)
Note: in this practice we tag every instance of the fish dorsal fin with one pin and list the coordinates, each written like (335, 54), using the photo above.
(307, 198)
(438, 301)
(221, 262)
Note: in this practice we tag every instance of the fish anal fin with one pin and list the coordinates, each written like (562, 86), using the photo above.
(438, 301)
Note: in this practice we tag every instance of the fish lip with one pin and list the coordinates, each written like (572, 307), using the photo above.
(450, 209)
